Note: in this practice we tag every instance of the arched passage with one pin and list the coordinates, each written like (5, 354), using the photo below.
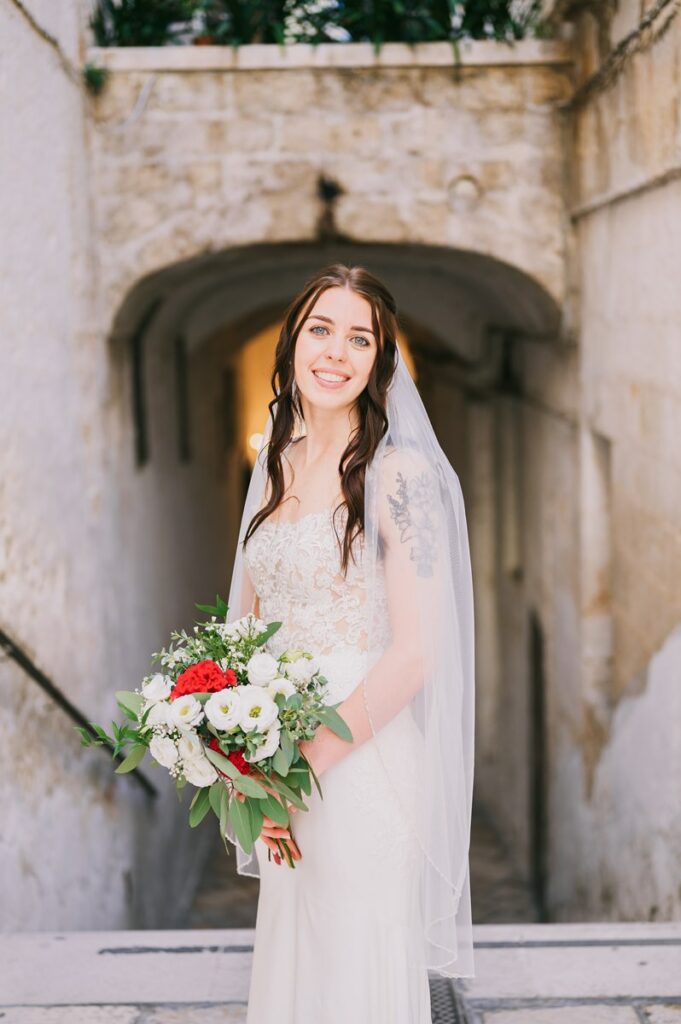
(196, 339)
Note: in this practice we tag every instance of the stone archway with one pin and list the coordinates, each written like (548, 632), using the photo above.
(466, 317)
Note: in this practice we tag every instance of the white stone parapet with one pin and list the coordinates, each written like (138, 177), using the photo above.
(261, 56)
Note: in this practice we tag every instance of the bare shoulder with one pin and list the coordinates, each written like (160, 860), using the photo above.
(401, 463)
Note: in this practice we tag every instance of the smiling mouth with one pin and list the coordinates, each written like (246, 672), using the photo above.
(330, 377)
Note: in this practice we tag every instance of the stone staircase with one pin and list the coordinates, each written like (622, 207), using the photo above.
(526, 974)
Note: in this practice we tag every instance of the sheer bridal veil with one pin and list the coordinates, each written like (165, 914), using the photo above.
(415, 547)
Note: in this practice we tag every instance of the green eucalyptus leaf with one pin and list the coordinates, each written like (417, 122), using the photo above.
(287, 791)
(287, 746)
(256, 816)
(249, 787)
(200, 808)
(241, 820)
(129, 701)
(215, 795)
(132, 760)
(275, 810)
(222, 763)
(330, 717)
(224, 811)
(280, 762)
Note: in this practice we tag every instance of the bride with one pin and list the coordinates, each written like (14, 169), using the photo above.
(353, 536)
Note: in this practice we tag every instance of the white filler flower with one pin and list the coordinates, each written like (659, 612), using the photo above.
(258, 709)
(199, 771)
(186, 711)
(249, 626)
(269, 744)
(281, 685)
(223, 709)
(158, 688)
(262, 668)
(163, 751)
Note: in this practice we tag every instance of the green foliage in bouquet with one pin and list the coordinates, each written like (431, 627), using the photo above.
(228, 717)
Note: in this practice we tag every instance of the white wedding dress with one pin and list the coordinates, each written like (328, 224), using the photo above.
(338, 938)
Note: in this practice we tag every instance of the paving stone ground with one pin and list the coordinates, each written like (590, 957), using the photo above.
(526, 972)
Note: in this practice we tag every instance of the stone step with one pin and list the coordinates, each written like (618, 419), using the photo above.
(526, 974)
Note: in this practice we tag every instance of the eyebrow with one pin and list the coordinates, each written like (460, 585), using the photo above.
(318, 316)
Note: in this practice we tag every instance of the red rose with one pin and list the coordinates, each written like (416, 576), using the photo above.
(235, 756)
(204, 677)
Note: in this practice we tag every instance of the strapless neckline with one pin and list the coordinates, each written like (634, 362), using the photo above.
(325, 512)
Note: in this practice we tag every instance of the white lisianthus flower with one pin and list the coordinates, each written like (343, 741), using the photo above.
(302, 670)
(262, 668)
(199, 771)
(224, 708)
(189, 745)
(186, 712)
(258, 709)
(269, 745)
(160, 714)
(281, 685)
(164, 751)
(158, 688)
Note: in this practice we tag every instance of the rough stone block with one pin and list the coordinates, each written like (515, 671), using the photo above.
(589, 1014)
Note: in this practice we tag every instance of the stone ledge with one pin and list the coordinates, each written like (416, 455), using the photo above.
(517, 967)
(473, 53)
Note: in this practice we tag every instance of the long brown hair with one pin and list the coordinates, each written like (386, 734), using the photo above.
(371, 402)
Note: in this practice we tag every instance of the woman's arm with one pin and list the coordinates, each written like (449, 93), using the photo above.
(409, 520)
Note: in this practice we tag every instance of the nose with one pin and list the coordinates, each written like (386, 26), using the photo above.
(335, 346)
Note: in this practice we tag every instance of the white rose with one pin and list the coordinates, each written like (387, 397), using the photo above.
(269, 745)
(160, 714)
(186, 712)
(262, 668)
(281, 685)
(224, 708)
(158, 688)
(258, 709)
(302, 670)
(189, 746)
(199, 771)
(164, 751)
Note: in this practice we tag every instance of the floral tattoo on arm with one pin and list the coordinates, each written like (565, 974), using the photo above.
(413, 511)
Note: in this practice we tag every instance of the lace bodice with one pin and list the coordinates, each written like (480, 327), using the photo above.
(295, 570)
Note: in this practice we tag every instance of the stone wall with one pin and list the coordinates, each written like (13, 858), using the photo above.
(80, 846)
(617, 832)
(197, 149)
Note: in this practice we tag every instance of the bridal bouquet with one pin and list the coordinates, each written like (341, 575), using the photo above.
(226, 716)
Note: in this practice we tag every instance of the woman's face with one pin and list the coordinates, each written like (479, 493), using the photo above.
(335, 350)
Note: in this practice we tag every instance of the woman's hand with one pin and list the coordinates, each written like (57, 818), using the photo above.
(273, 834)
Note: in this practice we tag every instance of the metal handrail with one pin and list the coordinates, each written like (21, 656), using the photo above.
(13, 651)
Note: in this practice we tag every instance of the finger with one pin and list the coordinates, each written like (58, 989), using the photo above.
(272, 846)
(276, 832)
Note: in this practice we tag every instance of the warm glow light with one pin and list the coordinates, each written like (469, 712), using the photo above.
(255, 440)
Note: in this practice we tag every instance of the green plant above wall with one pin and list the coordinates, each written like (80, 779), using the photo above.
(140, 22)
(239, 22)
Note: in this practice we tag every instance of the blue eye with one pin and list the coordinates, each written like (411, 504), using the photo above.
(358, 337)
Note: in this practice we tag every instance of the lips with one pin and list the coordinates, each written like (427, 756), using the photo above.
(333, 377)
